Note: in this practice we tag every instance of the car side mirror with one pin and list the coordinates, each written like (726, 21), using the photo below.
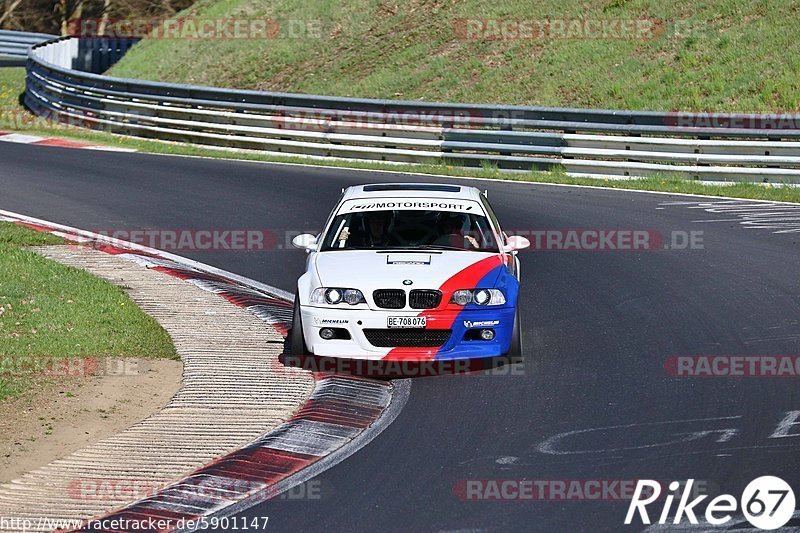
(305, 241)
(515, 243)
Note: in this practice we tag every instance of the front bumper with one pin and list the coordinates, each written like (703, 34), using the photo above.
(355, 321)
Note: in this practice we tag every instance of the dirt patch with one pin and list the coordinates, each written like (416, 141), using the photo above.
(56, 418)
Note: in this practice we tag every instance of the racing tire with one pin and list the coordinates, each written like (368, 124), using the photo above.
(296, 334)
(515, 348)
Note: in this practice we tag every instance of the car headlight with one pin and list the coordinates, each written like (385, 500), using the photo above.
(479, 297)
(334, 296)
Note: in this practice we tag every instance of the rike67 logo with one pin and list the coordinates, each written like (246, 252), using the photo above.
(767, 503)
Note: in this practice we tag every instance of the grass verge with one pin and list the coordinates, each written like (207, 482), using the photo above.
(49, 311)
(15, 117)
(719, 55)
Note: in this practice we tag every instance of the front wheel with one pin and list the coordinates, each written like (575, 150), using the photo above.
(296, 335)
(515, 349)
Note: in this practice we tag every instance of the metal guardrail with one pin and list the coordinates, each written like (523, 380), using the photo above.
(584, 142)
(14, 46)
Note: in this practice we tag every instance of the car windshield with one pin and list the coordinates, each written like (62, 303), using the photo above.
(404, 229)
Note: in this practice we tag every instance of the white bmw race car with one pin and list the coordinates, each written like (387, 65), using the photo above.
(409, 272)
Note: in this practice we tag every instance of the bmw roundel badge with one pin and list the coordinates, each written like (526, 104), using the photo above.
(407, 282)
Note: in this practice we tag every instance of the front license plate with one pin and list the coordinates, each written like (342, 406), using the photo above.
(406, 322)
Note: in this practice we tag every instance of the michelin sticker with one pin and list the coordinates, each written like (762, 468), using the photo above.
(480, 324)
(329, 321)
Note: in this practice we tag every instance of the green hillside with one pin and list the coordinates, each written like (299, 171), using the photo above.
(717, 55)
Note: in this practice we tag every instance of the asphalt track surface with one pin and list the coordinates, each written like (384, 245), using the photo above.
(598, 328)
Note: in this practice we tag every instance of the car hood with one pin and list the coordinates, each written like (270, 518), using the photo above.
(370, 270)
